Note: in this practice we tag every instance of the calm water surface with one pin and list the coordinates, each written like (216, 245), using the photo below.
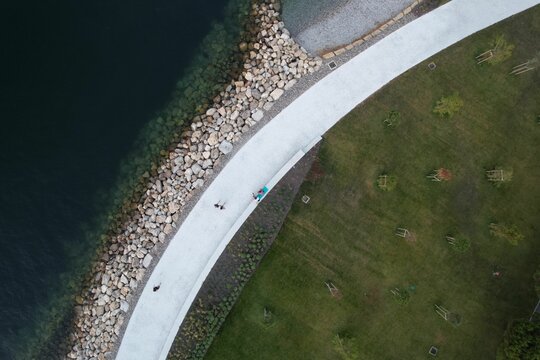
(79, 79)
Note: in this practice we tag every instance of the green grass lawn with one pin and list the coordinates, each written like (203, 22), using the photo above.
(346, 233)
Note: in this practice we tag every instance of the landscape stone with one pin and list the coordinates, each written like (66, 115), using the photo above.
(198, 183)
(213, 139)
(257, 115)
(124, 306)
(196, 168)
(225, 147)
(168, 229)
(147, 260)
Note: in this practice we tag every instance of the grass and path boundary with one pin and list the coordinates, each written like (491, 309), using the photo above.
(156, 314)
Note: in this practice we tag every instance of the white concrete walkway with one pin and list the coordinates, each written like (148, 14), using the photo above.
(206, 231)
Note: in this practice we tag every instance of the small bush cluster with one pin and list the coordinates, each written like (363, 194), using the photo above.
(386, 182)
(444, 174)
(460, 244)
(509, 233)
(392, 119)
(501, 49)
(448, 106)
(269, 318)
(402, 296)
(346, 347)
(454, 319)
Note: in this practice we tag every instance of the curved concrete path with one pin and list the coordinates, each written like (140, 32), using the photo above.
(206, 231)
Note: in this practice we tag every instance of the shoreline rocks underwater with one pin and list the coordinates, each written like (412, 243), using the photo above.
(272, 64)
(210, 66)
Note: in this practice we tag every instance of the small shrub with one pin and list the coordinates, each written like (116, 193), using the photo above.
(448, 106)
(386, 182)
(454, 319)
(392, 119)
(502, 50)
(402, 296)
(461, 244)
(509, 233)
(269, 317)
(444, 174)
(345, 347)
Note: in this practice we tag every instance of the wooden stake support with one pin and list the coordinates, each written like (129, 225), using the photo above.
(334, 291)
(383, 179)
(490, 53)
(485, 56)
(495, 175)
(444, 313)
(434, 176)
(525, 67)
(402, 232)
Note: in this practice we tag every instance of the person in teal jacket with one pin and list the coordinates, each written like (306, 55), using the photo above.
(260, 194)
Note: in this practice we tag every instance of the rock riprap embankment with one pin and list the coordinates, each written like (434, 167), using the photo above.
(273, 64)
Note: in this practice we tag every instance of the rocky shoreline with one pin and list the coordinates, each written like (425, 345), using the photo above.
(273, 64)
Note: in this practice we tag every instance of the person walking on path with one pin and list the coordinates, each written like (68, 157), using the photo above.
(219, 206)
(260, 194)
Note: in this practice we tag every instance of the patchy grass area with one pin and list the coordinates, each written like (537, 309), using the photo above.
(339, 283)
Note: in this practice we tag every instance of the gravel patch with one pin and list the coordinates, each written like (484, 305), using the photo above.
(329, 24)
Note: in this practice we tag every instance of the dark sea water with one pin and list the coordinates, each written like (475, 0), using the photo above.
(78, 82)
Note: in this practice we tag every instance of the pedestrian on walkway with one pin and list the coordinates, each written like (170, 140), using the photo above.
(219, 206)
(260, 193)
(156, 288)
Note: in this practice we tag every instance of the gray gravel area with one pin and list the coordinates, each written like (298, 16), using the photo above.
(321, 25)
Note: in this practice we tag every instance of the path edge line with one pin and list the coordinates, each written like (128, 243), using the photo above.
(223, 244)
